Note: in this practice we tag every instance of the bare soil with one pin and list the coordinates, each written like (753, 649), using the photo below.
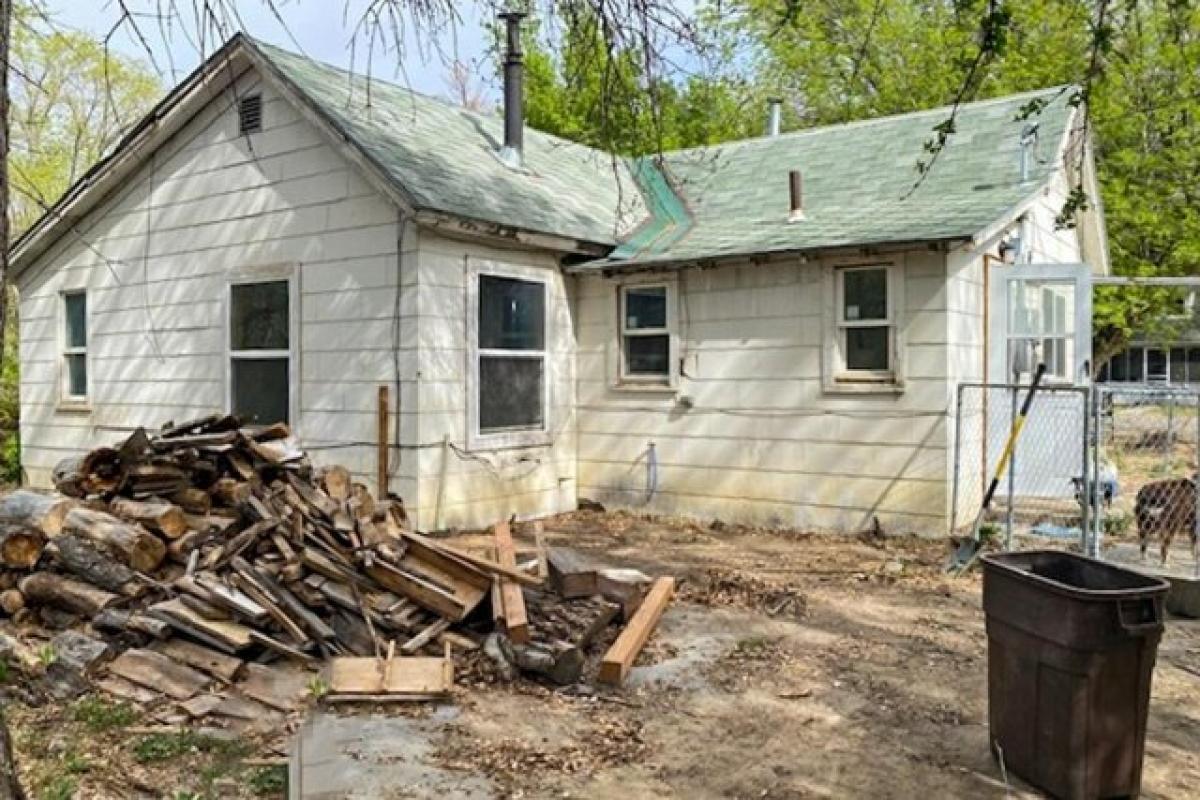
(789, 666)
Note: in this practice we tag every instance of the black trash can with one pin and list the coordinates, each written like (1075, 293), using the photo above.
(1071, 648)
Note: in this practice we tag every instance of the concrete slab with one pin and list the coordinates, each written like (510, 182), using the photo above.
(1181, 570)
(378, 757)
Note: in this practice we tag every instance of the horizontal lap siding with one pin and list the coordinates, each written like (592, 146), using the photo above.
(216, 205)
(464, 488)
(763, 442)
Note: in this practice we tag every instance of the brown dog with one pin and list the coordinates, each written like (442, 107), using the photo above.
(1165, 508)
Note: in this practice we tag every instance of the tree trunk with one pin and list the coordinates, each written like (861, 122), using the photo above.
(42, 512)
(133, 545)
(20, 547)
(84, 559)
(165, 518)
(58, 591)
(5, 21)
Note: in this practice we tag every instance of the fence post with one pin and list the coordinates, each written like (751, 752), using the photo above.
(958, 434)
(1097, 493)
(1196, 481)
(1084, 476)
(1012, 468)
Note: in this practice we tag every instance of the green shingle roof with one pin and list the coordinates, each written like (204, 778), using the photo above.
(443, 157)
(858, 184)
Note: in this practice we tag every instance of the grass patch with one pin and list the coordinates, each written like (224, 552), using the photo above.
(165, 746)
(268, 781)
(60, 787)
(99, 714)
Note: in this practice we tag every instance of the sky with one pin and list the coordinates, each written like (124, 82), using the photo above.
(318, 28)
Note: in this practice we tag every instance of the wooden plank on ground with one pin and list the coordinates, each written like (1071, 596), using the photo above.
(280, 687)
(620, 657)
(410, 676)
(160, 673)
(516, 620)
(222, 634)
(219, 665)
(470, 559)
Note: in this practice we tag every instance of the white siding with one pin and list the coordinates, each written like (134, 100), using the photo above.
(217, 205)
(461, 487)
(763, 442)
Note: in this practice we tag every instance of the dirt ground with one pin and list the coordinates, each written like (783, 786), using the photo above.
(790, 666)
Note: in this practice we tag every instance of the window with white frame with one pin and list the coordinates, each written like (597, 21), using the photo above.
(260, 357)
(645, 333)
(865, 323)
(511, 352)
(74, 367)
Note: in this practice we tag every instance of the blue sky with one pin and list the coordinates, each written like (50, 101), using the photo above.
(316, 26)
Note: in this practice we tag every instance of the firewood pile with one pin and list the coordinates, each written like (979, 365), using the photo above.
(208, 556)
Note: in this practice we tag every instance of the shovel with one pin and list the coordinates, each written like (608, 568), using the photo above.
(969, 548)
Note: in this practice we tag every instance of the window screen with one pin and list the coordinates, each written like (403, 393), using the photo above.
(864, 320)
(259, 316)
(512, 359)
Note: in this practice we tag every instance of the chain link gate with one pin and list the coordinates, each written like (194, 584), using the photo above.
(1042, 491)
(1145, 458)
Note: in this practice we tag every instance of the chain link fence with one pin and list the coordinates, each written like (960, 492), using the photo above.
(1041, 493)
(1145, 463)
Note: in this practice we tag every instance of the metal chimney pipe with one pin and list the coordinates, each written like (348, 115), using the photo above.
(796, 185)
(514, 96)
(774, 115)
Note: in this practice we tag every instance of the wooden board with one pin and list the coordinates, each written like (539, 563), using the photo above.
(227, 636)
(282, 687)
(219, 665)
(413, 675)
(127, 690)
(160, 673)
(620, 657)
(572, 574)
(516, 621)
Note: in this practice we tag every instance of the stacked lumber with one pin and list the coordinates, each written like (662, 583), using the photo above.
(200, 548)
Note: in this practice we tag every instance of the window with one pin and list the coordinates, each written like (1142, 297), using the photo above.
(250, 114)
(75, 377)
(645, 335)
(511, 350)
(864, 322)
(1042, 327)
(260, 352)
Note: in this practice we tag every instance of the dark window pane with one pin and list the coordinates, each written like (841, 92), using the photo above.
(646, 307)
(510, 393)
(1178, 365)
(259, 316)
(511, 314)
(76, 307)
(1156, 364)
(260, 390)
(1118, 367)
(867, 348)
(1137, 364)
(647, 355)
(864, 294)
(1193, 355)
(77, 376)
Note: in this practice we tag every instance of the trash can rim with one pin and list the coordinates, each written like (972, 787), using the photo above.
(1155, 585)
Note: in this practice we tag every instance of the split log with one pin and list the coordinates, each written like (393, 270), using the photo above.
(572, 574)
(134, 545)
(12, 601)
(231, 492)
(84, 559)
(160, 673)
(17, 654)
(57, 591)
(99, 472)
(41, 512)
(336, 482)
(119, 620)
(20, 546)
(192, 500)
(165, 518)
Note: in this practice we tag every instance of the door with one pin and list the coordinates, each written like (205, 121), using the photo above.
(1041, 313)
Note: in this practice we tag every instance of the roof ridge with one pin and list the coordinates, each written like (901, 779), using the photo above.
(869, 121)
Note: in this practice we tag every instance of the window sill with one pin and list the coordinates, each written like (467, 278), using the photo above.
(845, 384)
(645, 387)
(73, 407)
(511, 440)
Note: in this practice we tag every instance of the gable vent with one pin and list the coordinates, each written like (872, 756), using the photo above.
(250, 114)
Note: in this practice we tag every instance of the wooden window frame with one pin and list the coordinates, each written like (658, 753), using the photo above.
(836, 376)
(66, 398)
(274, 274)
(624, 334)
(477, 438)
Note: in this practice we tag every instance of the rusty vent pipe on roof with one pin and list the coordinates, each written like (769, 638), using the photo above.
(796, 187)
(514, 97)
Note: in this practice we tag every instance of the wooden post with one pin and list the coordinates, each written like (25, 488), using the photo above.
(381, 476)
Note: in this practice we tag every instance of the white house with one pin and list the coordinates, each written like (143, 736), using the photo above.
(767, 331)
